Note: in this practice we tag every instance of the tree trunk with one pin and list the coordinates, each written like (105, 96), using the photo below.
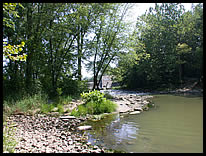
(79, 55)
(95, 84)
(29, 50)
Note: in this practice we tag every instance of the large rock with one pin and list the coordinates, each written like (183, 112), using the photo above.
(84, 127)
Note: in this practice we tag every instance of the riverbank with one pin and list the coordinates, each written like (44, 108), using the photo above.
(47, 134)
(190, 87)
(51, 133)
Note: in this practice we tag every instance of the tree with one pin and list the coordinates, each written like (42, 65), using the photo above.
(172, 39)
(190, 32)
(105, 43)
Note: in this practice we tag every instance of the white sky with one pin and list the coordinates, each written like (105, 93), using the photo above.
(137, 10)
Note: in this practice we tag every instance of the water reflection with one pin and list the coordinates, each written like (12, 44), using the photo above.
(125, 131)
(116, 132)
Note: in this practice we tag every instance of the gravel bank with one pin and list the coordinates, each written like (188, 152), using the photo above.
(46, 134)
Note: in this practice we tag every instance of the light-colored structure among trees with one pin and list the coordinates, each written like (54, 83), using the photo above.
(106, 82)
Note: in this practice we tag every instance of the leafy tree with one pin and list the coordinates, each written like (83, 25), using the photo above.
(106, 41)
(171, 39)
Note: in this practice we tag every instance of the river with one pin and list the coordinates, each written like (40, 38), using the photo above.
(174, 125)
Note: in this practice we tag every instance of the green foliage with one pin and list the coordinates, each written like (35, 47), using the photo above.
(9, 11)
(9, 51)
(59, 91)
(60, 108)
(95, 103)
(46, 108)
(9, 142)
(108, 96)
(65, 99)
(162, 49)
(106, 106)
(73, 87)
(93, 96)
(13, 52)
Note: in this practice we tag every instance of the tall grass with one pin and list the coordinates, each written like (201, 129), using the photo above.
(33, 102)
(23, 105)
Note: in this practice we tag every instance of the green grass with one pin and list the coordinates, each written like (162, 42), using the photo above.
(65, 99)
(9, 142)
(30, 103)
(23, 105)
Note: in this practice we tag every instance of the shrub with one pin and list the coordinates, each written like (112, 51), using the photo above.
(80, 111)
(94, 96)
(95, 104)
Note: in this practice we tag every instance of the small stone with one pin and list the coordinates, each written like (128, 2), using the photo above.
(84, 127)
(55, 109)
(88, 144)
(78, 144)
(70, 142)
(135, 112)
(95, 147)
(67, 117)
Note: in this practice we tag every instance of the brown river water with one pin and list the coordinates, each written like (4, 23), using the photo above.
(174, 125)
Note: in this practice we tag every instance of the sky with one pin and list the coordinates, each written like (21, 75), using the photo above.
(136, 10)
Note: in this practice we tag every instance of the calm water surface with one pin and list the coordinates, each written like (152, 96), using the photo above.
(175, 124)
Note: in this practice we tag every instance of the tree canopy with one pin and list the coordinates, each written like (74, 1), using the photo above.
(52, 40)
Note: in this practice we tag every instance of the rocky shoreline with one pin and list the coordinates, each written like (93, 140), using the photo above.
(40, 133)
(132, 104)
(47, 134)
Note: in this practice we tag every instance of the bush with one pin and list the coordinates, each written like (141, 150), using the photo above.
(95, 104)
(94, 96)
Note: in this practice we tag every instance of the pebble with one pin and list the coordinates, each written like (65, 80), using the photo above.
(135, 112)
(84, 127)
